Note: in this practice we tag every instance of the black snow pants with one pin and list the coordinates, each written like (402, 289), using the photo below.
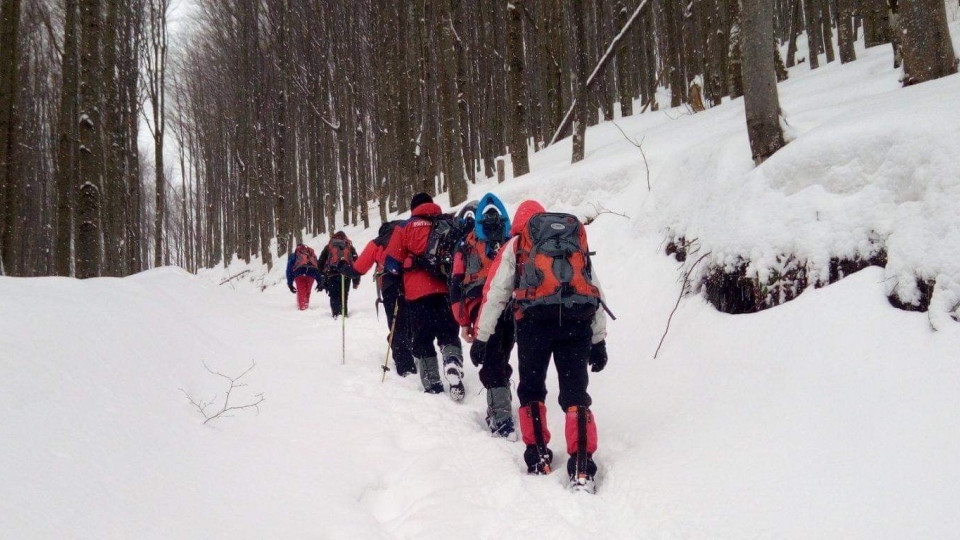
(569, 344)
(431, 319)
(333, 284)
(496, 371)
(392, 295)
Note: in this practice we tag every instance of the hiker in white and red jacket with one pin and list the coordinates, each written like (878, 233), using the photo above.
(337, 250)
(545, 271)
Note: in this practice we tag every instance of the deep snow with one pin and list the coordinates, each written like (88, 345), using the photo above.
(833, 416)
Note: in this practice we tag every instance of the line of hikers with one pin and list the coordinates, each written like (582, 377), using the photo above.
(494, 283)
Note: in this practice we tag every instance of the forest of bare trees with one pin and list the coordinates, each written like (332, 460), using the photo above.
(297, 116)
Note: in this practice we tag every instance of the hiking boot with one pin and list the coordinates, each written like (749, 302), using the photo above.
(499, 412)
(582, 472)
(429, 374)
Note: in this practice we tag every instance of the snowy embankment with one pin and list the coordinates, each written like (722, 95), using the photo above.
(832, 416)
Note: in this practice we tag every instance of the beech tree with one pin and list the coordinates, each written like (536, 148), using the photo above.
(760, 97)
(927, 49)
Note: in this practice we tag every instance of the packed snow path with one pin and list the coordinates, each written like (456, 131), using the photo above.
(832, 416)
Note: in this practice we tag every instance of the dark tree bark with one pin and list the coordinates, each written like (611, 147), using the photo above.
(761, 102)
(90, 176)
(67, 145)
(517, 89)
(453, 156)
(577, 67)
(9, 184)
(845, 31)
(927, 49)
(814, 39)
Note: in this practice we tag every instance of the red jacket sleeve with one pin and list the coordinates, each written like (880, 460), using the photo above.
(396, 249)
(367, 258)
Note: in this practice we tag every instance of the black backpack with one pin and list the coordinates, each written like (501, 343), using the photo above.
(437, 259)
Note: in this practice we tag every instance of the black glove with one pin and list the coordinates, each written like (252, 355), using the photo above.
(319, 286)
(321, 283)
(478, 352)
(598, 356)
(291, 287)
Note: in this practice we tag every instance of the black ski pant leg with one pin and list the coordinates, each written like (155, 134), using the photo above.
(333, 285)
(571, 354)
(534, 347)
(402, 357)
(422, 325)
(431, 319)
(496, 371)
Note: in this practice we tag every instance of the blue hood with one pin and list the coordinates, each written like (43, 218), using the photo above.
(491, 200)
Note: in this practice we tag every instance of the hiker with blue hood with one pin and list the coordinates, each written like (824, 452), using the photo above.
(472, 262)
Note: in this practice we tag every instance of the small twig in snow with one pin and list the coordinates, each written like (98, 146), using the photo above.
(639, 146)
(683, 289)
(601, 210)
(202, 406)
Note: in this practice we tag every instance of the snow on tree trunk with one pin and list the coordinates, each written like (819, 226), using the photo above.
(761, 102)
(927, 50)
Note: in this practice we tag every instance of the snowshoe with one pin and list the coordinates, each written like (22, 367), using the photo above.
(583, 483)
(503, 428)
(457, 392)
(435, 388)
(582, 471)
(453, 371)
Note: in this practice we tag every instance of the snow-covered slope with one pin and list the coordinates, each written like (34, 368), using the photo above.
(832, 416)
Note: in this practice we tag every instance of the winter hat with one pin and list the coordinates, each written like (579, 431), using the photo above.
(420, 198)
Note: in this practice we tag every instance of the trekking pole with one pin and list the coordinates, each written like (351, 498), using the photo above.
(343, 320)
(393, 327)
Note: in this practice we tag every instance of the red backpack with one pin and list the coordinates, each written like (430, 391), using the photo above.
(476, 266)
(554, 275)
(305, 257)
(337, 250)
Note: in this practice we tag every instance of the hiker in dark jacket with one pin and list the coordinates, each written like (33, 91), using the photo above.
(303, 269)
(337, 250)
(390, 292)
(426, 296)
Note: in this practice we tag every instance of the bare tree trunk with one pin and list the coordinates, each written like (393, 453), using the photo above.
(450, 113)
(761, 102)
(9, 184)
(577, 66)
(845, 31)
(517, 89)
(811, 7)
(927, 49)
(796, 26)
(91, 153)
(66, 146)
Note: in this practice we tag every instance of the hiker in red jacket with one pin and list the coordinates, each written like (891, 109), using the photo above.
(545, 271)
(389, 292)
(303, 268)
(337, 250)
(426, 296)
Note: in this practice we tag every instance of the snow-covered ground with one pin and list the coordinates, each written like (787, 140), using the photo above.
(832, 416)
